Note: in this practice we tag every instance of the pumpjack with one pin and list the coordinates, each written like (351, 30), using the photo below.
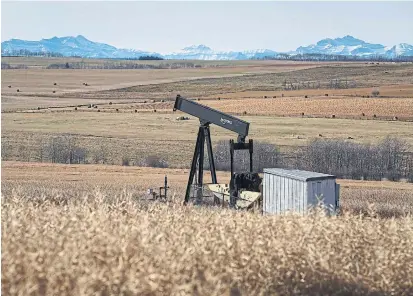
(244, 190)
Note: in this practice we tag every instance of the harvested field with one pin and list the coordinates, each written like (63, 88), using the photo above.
(319, 107)
(74, 181)
(391, 90)
(357, 76)
(40, 82)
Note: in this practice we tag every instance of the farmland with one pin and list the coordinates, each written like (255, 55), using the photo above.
(79, 214)
(62, 223)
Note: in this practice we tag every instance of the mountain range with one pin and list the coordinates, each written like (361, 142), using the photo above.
(81, 46)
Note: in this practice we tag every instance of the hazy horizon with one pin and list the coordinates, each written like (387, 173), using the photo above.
(170, 26)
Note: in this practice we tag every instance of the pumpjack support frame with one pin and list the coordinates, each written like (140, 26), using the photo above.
(204, 135)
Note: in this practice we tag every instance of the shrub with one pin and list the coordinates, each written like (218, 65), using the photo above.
(375, 93)
(155, 162)
(125, 160)
(63, 149)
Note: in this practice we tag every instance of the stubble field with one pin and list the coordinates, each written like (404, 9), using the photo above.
(87, 229)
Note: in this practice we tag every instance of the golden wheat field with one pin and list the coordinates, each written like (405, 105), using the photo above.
(113, 245)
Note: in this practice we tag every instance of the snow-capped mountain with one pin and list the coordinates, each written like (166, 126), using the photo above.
(72, 46)
(402, 49)
(347, 45)
(80, 46)
(202, 52)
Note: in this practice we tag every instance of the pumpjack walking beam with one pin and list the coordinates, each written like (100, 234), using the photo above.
(206, 117)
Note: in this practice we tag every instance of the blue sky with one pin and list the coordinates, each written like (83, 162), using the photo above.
(169, 26)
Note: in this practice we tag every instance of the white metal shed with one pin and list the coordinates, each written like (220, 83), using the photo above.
(297, 191)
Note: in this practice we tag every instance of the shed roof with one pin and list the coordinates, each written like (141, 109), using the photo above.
(298, 174)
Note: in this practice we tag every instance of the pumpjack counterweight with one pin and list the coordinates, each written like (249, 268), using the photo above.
(206, 117)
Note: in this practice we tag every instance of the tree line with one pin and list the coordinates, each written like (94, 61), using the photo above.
(122, 65)
(333, 57)
(7, 66)
(390, 158)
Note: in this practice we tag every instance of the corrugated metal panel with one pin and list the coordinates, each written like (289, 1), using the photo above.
(283, 194)
(298, 174)
(286, 193)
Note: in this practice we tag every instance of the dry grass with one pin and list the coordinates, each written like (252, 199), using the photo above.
(390, 90)
(143, 134)
(114, 245)
(37, 81)
(84, 229)
(359, 76)
(319, 106)
(75, 181)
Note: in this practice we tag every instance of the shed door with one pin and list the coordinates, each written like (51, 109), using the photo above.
(316, 186)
